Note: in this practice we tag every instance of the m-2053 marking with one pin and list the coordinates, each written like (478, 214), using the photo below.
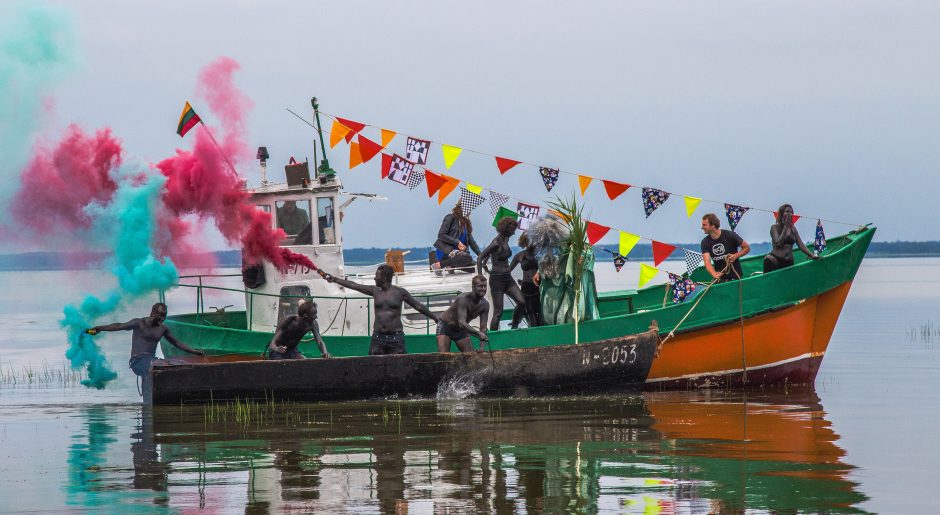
(612, 355)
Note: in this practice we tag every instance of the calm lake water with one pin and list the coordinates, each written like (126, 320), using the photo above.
(863, 439)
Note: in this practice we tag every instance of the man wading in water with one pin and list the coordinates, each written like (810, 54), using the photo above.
(454, 324)
(388, 336)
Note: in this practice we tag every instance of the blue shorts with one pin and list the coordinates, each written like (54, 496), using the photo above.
(141, 363)
(455, 333)
(291, 354)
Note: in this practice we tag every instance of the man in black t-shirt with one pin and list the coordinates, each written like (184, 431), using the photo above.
(721, 247)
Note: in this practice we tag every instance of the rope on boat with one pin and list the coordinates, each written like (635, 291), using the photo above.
(694, 305)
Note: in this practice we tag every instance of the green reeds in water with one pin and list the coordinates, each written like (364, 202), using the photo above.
(46, 376)
(927, 333)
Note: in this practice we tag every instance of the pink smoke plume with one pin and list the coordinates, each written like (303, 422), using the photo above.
(61, 179)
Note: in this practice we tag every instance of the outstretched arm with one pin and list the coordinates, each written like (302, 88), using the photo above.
(417, 305)
(484, 316)
(361, 288)
(180, 345)
(707, 259)
(316, 334)
(117, 326)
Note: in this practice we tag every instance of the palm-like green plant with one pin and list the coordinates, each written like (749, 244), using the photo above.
(576, 246)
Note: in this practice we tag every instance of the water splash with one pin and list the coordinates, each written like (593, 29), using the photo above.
(461, 386)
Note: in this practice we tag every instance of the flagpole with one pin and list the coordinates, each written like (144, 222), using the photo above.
(219, 147)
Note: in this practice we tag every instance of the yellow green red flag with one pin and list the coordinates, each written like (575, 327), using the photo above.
(188, 120)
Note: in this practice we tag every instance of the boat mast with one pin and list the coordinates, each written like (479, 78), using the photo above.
(324, 167)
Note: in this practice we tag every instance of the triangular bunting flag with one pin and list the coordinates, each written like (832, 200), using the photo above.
(734, 214)
(681, 288)
(627, 242)
(583, 182)
(433, 181)
(447, 188)
(652, 199)
(415, 179)
(416, 150)
(503, 212)
(354, 127)
(619, 261)
(474, 188)
(402, 170)
(549, 177)
(661, 251)
(595, 232)
(469, 201)
(795, 217)
(387, 137)
(368, 148)
(355, 159)
(505, 165)
(692, 260)
(451, 153)
(615, 189)
(338, 132)
(496, 201)
(819, 244)
(386, 164)
(691, 204)
(646, 273)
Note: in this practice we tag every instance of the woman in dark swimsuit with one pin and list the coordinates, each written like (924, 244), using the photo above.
(532, 308)
(783, 235)
(501, 281)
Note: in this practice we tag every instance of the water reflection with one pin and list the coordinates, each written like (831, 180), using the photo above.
(682, 451)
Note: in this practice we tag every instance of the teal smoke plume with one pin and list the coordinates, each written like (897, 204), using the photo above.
(126, 225)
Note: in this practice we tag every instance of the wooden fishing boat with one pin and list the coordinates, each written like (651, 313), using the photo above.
(615, 364)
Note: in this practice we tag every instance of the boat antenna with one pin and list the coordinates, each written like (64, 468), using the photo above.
(324, 168)
(263, 157)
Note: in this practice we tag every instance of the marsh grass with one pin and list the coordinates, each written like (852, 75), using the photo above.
(927, 333)
(45, 375)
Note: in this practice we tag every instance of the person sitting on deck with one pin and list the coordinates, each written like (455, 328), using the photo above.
(721, 250)
(783, 235)
(501, 281)
(147, 334)
(453, 239)
(291, 331)
(388, 336)
(454, 324)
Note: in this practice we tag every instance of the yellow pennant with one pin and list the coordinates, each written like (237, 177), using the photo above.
(691, 204)
(355, 158)
(451, 154)
(584, 181)
(474, 188)
(387, 137)
(627, 242)
(338, 132)
(646, 273)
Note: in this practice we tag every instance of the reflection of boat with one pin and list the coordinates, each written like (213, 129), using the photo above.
(600, 366)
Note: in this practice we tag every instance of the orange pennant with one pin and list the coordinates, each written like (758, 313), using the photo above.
(433, 181)
(447, 188)
(338, 132)
(368, 148)
(387, 137)
(584, 181)
(615, 189)
(355, 158)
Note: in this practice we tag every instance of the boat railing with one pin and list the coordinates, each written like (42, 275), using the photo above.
(201, 287)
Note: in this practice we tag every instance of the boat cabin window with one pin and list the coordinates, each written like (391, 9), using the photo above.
(325, 220)
(291, 300)
(294, 217)
(264, 207)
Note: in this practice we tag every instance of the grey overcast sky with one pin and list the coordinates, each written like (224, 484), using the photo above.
(831, 106)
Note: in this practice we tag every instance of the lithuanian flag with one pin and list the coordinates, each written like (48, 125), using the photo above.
(188, 119)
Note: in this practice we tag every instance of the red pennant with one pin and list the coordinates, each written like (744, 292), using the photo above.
(505, 165)
(386, 164)
(595, 232)
(433, 181)
(661, 251)
(354, 127)
(368, 148)
(795, 217)
(615, 189)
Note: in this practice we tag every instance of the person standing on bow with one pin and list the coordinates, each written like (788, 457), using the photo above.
(501, 281)
(388, 335)
(721, 250)
(783, 235)
(455, 240)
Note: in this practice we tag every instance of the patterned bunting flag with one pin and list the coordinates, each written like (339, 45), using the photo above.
(595, 232)
(734, 214)
(691, 204)
(615, 189)
(496, 201)
(416, 150)
(451, 153)
(387, 137)
(368, 148)
(652, 199)
(627, 242)
(681, 288)
(583, 182)
(337, 133)
(415, 179)
(527, 214)
(355, 159)
(505, 165)
(433, 182)
(469, 201)
(447, 188)
(692, 260)
(549, 177)
(819, 245)
(401, 169)
(661, 251)
(503, 212)
(619, 261)
(646, 273)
